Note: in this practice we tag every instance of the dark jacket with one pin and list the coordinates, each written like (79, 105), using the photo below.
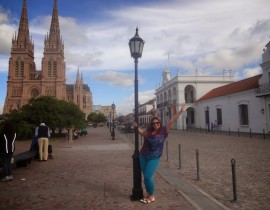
(43, 131)
(7, 142)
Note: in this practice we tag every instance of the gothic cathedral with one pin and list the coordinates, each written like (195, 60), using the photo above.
(25, 82)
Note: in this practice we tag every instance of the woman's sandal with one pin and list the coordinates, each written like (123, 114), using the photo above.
(147, 200)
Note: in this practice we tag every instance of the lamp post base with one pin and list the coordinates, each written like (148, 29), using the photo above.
(137, 191)
(137, 194)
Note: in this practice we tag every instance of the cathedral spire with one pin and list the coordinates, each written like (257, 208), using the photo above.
(22, 39)
(23, 34)
(78, 75)
(54, 30)
(54, 41)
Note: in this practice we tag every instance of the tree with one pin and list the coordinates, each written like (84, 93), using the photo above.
(96, 118)
(57, 114)
(92, 117)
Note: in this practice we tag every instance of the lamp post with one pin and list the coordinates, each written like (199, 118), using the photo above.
(113, 133)
(110, 119)
(136, 47)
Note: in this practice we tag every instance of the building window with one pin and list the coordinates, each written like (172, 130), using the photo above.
(49, 69)
(22, 69)
(54, 69)
(17, 69)
(219, 116)
(243, 113)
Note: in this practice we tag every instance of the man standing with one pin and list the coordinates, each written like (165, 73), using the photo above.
(43, 134)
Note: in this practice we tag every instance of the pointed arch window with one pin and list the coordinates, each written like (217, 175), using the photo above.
(49, 69)
(17, 69)
(54, 69)
(22, 68)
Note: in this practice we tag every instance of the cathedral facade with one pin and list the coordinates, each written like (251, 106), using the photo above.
(26, 82)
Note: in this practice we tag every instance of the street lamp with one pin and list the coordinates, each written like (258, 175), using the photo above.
(136, 47)
(113, 133)
(110, 119)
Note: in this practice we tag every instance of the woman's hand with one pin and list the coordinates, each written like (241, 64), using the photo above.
(135, 124)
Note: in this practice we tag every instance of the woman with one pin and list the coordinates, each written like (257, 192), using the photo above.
(151, 151)
(7, 147)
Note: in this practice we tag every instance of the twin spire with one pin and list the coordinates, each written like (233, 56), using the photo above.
(53, 41)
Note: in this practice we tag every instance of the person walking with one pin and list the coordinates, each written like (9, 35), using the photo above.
(151, 151)
(43, 134)
(7, 148)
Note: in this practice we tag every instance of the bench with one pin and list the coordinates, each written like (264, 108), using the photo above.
(24, 158)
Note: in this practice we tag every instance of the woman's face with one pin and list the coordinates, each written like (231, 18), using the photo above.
(156, 124)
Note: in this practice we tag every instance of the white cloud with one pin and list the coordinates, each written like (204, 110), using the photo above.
(115, 78)
(126, 106)
(250, 72)
(7, 31)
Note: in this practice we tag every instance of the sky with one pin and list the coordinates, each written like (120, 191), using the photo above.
(181, 35)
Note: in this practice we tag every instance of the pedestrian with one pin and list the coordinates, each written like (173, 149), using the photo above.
(43, 134)
(151, 151)
(34, 144)
(7, 148)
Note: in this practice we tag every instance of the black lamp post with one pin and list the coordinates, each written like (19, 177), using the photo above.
(136, 47)
(110, 118)
(113, 133)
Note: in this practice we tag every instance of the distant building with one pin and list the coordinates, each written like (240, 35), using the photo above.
(184, 89)
(146, 112)
(26, 82)
(106, 110)
(212, 104)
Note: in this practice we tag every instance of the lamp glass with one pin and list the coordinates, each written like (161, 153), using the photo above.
(136, 45)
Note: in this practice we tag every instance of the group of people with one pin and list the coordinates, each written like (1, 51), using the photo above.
(152, 149)
(7, 146)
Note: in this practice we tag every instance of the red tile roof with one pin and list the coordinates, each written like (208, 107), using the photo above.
(235, 87)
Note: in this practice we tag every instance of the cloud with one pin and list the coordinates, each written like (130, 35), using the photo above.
(250, 72)
(7, 30)
(127, 104)
(115, 78)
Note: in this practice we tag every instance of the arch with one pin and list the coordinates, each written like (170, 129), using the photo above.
(190, 94)
(34, 92)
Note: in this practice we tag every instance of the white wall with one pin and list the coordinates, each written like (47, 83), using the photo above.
(230, 112)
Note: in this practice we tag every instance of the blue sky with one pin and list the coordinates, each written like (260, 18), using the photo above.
(207, 35)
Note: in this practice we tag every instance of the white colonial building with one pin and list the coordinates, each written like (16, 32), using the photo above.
(186, 90)
(217, 100)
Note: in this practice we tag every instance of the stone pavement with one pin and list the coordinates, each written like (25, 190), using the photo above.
(96, 173)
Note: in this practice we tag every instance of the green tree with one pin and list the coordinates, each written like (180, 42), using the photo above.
(57, 114)
(96, 118)
(92, 117)
(101, 118)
